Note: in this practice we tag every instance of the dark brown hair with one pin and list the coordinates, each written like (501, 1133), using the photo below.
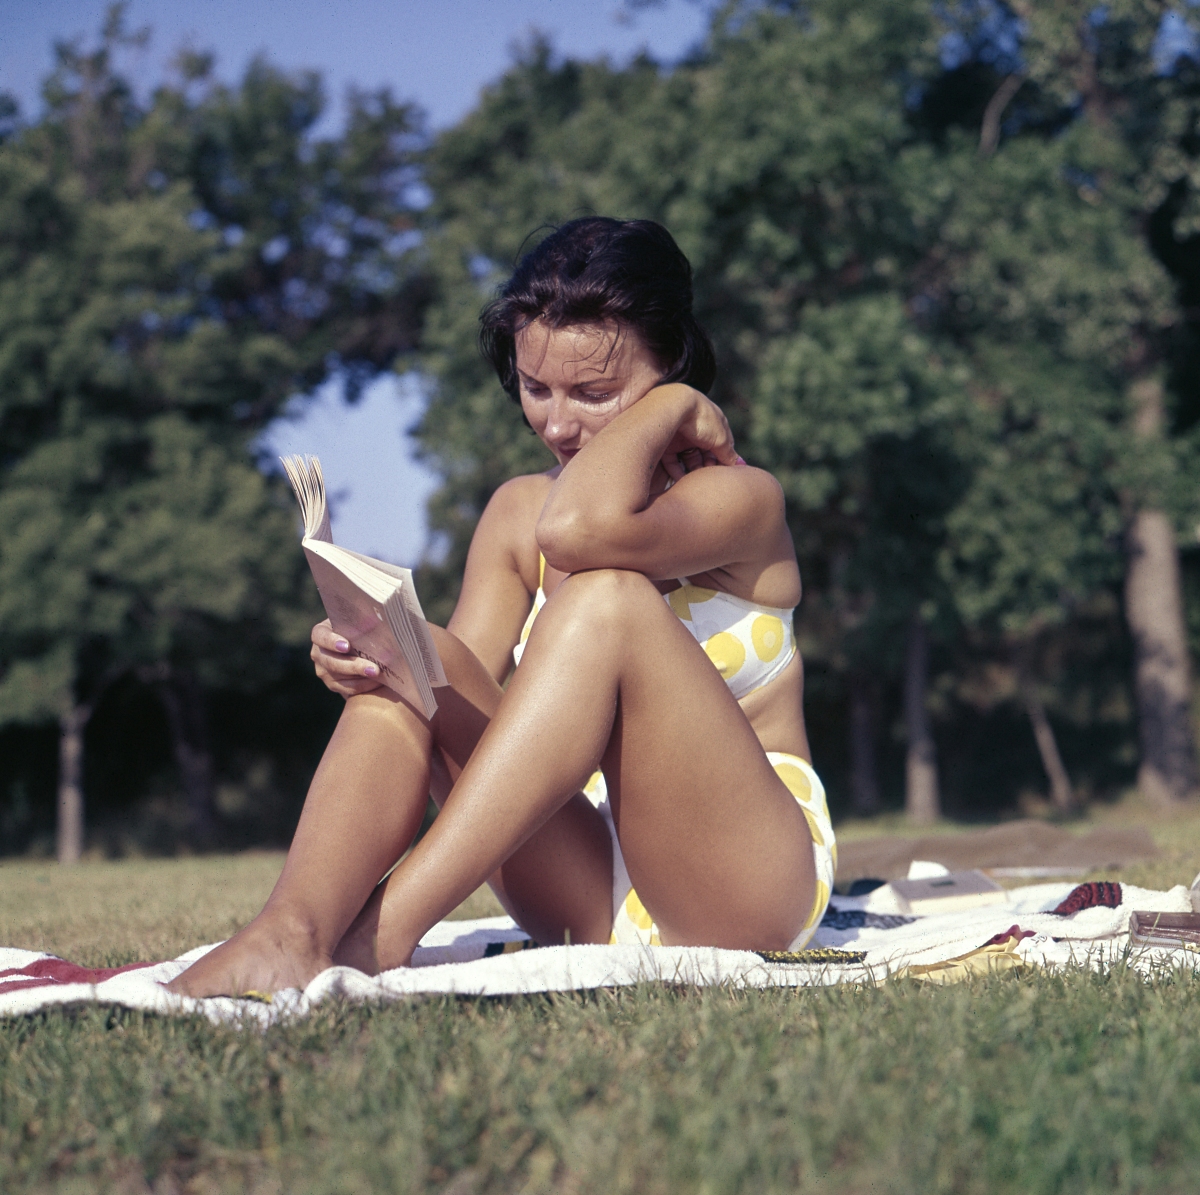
(596, 270)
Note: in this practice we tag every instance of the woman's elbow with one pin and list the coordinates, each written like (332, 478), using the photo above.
(569, 541)
(561, 540)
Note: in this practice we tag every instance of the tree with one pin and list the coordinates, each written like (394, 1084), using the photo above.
(773, 157)
(170, 275)
(1084, 214)
(946, 298)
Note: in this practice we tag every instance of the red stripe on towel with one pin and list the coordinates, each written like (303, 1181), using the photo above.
(50, 971)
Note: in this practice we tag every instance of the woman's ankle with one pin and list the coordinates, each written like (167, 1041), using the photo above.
(293, 931)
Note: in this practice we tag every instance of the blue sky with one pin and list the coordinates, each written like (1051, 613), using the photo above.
(438, 54)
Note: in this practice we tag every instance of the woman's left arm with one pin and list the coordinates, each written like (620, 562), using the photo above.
(600, 513)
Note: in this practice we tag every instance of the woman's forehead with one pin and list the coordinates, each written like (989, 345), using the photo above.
(583, 349)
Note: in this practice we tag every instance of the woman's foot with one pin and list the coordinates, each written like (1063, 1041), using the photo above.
(267, 956)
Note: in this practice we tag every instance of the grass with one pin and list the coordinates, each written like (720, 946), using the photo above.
(1057, 1084)
(106, 914)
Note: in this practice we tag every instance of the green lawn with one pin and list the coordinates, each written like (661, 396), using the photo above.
(105, 914)
(1076, 1083)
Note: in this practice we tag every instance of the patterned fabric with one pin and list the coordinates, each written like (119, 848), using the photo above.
(1093, 895)
(749, 644)
(631, 921)
(842, 920)
(815, 956)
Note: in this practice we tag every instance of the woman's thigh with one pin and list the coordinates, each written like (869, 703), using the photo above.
(717, 847)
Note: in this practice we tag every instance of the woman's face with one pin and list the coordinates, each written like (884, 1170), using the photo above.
(577, 380)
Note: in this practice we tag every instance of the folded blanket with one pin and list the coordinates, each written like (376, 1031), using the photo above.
(486, 958)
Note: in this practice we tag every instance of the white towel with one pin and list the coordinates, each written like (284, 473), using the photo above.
(453, 958)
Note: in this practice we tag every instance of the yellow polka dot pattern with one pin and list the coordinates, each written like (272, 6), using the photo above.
(727, 654)
(766, 633)
(682, 600)
(632, 921)
(749, 644)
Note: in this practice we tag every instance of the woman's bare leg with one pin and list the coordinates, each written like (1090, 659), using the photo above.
(363, 809)
(718, 849)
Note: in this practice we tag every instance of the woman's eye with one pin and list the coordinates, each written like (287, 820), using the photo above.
(598, 397)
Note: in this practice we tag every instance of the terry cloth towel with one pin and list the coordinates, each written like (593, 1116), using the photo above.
(486, 958)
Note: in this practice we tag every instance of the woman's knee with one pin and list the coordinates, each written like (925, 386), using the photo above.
(605, 610)
(608, 597)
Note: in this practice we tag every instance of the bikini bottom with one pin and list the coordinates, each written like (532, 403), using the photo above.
(632, 923)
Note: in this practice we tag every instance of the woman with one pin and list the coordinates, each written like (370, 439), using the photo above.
(619, 578)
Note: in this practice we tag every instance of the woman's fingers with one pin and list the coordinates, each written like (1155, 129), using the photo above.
(337, 666)
(325, 637)
(673, 468)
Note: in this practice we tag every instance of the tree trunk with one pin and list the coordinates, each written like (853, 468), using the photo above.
(1062, 795)
(1162, 670)
(921, 800)
(183, 700)
(989, 131)
(864, 779)
(1154, 612)
(69, 822)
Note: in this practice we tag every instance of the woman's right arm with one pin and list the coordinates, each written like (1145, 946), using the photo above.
(501, 571)
(501, 574)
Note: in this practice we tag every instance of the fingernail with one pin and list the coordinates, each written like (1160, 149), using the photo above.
(342, 645)
(371, 670)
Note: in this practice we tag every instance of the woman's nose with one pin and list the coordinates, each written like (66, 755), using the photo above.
(561, 425)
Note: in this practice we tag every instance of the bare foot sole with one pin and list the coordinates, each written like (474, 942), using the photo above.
(258, 959)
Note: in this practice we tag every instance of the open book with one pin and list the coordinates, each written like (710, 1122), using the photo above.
(372, 604)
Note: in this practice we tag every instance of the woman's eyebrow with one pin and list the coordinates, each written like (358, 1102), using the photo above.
(601, 379)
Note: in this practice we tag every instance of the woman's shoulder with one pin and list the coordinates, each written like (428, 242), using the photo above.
(527, 486)
(519, 499)
(506, 527)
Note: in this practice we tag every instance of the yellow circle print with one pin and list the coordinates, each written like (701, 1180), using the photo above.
(726, 652)
(766, 633)
(798, 784)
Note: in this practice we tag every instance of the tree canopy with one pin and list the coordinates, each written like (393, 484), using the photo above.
(171, 273)
(948, 256)
(944, 252)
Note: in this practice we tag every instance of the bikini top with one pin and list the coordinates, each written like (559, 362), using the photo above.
(749, 644)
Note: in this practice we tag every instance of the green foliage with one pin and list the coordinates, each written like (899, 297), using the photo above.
(171, 274)
(937, 349)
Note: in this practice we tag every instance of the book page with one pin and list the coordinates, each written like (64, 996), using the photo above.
(372, 604)
(366, 624)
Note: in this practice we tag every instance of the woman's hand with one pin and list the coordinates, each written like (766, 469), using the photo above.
(702, 438)
(338, 667)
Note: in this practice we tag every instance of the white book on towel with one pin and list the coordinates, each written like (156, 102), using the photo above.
(370, 603)
(947, 893)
